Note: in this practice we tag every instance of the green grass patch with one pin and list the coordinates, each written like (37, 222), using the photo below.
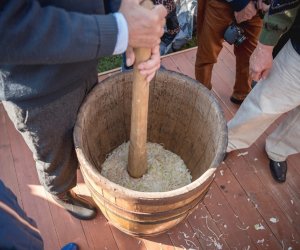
(112, 62)
(109, 62)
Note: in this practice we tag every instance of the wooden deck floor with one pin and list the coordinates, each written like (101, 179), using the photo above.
(244, 208)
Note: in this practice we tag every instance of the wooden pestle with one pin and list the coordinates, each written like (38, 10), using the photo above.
(137, 156)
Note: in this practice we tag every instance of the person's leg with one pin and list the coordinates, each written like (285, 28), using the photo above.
(285, 139)
(272, 97)
(217, 17)
(48, 132)
(201, 8)
(242, 85)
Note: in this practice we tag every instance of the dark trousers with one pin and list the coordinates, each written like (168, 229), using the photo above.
(48, 131)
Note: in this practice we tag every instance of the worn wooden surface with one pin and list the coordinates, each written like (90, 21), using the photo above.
(184, 117)
(137, 156)
(237, 212)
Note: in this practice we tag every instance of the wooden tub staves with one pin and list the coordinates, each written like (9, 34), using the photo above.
(183, 116)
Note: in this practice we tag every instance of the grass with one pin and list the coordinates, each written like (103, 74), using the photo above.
(109, 62)
(112, 62)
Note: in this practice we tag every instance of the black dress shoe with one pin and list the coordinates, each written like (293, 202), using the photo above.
(278, 170)
(76, 205)
(236, 101)
(253, 84)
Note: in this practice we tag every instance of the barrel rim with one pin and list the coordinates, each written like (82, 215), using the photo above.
(121, 191)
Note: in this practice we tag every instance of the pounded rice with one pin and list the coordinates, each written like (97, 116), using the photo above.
(166, 170)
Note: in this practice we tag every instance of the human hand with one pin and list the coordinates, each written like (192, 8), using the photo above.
(147, 68)
(145, 26)
(245, 14)
(261, 62)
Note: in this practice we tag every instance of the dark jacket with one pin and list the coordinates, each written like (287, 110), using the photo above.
(238, 5)
(48, 47)
(17, 231)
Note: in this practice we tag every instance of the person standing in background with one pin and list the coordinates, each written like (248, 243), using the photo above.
(277, 91)
(213, 18)
(172, 24)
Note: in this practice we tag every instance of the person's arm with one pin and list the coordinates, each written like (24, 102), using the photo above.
(32, 34)
(275, 25)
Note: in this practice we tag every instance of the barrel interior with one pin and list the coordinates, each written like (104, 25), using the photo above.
(182, 116)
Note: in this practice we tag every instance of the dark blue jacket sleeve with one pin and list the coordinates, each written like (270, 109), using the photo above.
(238, 5)
(17, 231)
(35, 33)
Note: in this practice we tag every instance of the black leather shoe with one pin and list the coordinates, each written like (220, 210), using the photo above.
(253, 84)
(236, 101)
(278, 170)
(76, 205)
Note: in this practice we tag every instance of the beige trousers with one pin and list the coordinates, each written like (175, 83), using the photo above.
(272, 97)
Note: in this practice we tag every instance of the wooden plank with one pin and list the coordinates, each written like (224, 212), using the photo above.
(228, 222)
(169, 64)
(160, 242)
(183, 236)
(68, 228)
(7, 168)
(240, 203)
(36, 206)
(98, 231)
(293, 160)
(102, 77)
(263, 200)
(206, 229)
(125, 241)
(222, 80)
(225, 73)
(228, 57)
(182, 62)
(223, 93)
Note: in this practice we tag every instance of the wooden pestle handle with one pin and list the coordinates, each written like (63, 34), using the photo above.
(137, 156)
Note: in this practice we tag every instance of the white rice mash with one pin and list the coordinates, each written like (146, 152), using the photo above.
(166, 170)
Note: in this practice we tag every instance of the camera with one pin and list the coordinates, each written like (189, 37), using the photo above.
(234, 34)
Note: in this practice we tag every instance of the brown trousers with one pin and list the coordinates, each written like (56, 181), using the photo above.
(213, 18)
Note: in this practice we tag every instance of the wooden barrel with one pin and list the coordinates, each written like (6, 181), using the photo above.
(183, 116)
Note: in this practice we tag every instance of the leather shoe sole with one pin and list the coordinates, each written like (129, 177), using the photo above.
(278, 170)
